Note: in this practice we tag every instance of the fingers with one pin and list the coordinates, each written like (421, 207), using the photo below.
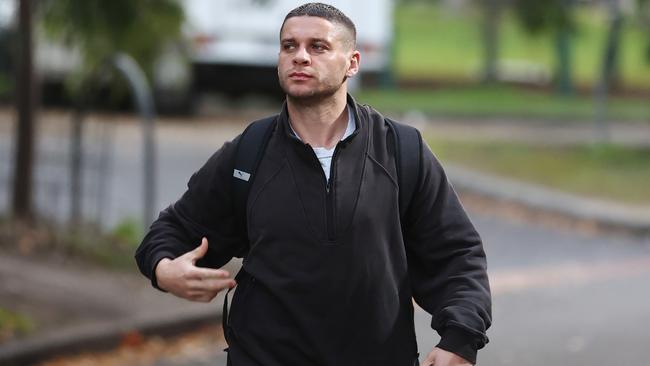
(200, 273)
(199, 252)
(198, 283)
(201, 296)
(210, 285)
(431, 359)
(206, 290)
(210, 280)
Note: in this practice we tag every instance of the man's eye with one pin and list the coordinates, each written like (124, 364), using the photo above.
(287, 46)
(318, 47)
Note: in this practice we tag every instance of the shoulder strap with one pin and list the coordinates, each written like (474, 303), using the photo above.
(408, 150)
(250, 150)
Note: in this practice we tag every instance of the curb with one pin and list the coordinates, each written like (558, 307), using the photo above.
(603, 214)
(102, 335)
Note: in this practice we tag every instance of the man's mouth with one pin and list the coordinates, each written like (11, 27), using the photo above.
(299, 76)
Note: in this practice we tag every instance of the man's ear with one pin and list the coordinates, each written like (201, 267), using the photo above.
(355, 60)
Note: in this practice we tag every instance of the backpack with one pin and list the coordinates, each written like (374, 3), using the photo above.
(256, 136)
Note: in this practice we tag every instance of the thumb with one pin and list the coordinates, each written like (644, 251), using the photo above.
(200, 251)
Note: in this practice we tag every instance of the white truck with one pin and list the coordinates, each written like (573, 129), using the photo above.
(234, 44)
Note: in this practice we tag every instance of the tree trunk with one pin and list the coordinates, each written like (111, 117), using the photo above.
(491, 40)
(564, 80)
(607, 71)
(25, 102)
(610, 57)
(563, 53)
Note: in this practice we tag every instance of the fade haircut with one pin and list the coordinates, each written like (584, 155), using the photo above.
(327, 12)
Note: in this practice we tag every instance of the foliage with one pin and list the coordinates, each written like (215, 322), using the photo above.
(537, 16)
(607, 171)
(100, 28)
(501, 101)
(644, 19)
(112, 249)
(85, 242)
(13, 324)
(129, 232)
(5, 85)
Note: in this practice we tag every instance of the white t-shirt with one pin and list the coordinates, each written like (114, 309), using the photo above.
(325, 155)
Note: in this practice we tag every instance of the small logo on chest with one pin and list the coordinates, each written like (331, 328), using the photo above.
(241, 175)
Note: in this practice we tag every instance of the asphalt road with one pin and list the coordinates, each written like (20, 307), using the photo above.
(563, 298)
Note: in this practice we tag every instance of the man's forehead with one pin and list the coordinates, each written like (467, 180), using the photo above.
(309, 27)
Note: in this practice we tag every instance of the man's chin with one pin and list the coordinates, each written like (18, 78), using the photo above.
(300, 95)
(308, 96)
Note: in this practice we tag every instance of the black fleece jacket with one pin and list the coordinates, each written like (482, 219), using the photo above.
(330, 276)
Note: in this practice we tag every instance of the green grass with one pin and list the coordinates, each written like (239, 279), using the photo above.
(14, 324)
(433, 43)
(87, 243)
(113, 250)
(500, 101)
(5, 85)
(609, 172)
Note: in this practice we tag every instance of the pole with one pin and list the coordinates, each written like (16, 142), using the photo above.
(25, 102)
(144, 102)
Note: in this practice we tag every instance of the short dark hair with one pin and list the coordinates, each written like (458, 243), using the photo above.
(325, 11)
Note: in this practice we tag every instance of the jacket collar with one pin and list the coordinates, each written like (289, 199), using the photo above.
(361, 124)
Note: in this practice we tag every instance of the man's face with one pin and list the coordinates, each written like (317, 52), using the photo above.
(315, 58)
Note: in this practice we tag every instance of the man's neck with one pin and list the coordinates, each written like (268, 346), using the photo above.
(322, 123)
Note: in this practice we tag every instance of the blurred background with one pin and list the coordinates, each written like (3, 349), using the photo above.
(539, 110)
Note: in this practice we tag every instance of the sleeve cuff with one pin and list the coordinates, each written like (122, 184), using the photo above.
(460, 342)
(157, 258)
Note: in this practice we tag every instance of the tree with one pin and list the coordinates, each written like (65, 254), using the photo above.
(25, 101)
(100, 29)
(609, 74)
(491, 12)
(552, 16)
(644, 18)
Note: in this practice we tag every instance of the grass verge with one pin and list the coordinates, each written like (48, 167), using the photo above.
(435, 42)
(5, 85)
(13, 324)
(610, 172)
(501, 101)
(87, 243)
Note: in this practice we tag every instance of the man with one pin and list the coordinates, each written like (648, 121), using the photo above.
(331, 270)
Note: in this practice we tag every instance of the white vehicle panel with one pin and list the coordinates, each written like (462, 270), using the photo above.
(247, 31)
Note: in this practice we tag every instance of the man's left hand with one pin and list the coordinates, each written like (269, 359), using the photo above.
(440, 357)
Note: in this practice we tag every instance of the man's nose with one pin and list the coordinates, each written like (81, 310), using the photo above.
(301, 57)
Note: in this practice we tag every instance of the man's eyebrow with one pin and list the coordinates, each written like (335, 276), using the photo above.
(323, 40)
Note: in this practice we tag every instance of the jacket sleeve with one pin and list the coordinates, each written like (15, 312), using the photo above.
(204, 210)
(447, 263)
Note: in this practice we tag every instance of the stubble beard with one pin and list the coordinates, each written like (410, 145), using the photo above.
(314, 96)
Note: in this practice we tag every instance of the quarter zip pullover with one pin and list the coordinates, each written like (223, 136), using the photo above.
(334, 270)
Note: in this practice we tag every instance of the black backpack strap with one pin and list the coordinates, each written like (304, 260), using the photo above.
(408, 154)
(250, 150)
(249, 153)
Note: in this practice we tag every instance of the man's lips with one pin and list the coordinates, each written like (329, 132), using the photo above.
(299, 76)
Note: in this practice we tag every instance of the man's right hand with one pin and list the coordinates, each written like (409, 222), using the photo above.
(184, 279)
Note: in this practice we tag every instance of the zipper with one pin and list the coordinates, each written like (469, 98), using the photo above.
(329, 192)
(329, 198)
